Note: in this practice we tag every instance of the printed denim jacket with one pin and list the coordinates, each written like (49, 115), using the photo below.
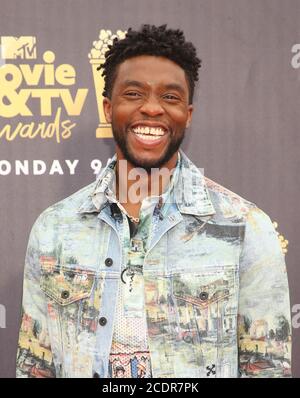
(215, 286)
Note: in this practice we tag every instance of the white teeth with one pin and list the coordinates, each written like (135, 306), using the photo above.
(154, 131)
(148, 137)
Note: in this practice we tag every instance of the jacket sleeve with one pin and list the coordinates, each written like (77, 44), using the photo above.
(34, 356)
(264, 323)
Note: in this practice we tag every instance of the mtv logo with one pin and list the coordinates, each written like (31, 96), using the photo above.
(23, 47)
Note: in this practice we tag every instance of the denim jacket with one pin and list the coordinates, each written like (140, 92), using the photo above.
(215, 286)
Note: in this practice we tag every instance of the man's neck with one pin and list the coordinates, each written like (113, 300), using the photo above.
(134, 184)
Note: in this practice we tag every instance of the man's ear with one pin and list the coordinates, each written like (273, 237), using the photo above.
(189, 118)
(107, 109)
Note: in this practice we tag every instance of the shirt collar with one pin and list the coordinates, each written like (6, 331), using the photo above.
(190, 191)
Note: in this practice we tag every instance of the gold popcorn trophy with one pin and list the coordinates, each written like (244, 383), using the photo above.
(97, 57)
(283, 242)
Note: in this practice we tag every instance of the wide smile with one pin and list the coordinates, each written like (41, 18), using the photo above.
(149, 136)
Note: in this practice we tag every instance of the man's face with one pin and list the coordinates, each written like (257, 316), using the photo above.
(148, 110)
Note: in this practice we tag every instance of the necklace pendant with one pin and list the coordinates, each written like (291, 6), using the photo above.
(130, 273)
(131, 281)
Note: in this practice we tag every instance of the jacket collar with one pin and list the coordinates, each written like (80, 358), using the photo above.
(190, 191)
(97, 199)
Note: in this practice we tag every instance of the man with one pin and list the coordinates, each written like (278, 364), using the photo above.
(154, 263)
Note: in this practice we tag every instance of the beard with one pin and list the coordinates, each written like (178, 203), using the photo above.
(170, 149)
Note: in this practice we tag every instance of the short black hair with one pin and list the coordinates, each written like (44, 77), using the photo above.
(151, 40)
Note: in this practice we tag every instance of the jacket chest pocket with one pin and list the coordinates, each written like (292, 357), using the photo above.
(74, 302)
(66, 286)
(206, 305)
(73, 309)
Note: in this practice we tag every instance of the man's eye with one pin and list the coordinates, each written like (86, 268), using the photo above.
(132, 94)
(170, 97)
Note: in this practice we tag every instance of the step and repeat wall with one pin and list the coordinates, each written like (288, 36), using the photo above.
(54, 137)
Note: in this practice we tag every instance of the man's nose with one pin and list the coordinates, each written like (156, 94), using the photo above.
(152, 107)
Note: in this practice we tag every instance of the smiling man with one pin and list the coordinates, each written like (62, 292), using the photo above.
(153, 270)
(149, 109)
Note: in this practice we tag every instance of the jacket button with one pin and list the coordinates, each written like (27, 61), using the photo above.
(108, 262)
(96, 375)
(65, 294)
(102, 321)
(203, 296)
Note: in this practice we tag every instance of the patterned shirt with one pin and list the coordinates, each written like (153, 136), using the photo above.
(130, 356)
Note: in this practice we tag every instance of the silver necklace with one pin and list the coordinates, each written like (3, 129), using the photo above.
(134, 219)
